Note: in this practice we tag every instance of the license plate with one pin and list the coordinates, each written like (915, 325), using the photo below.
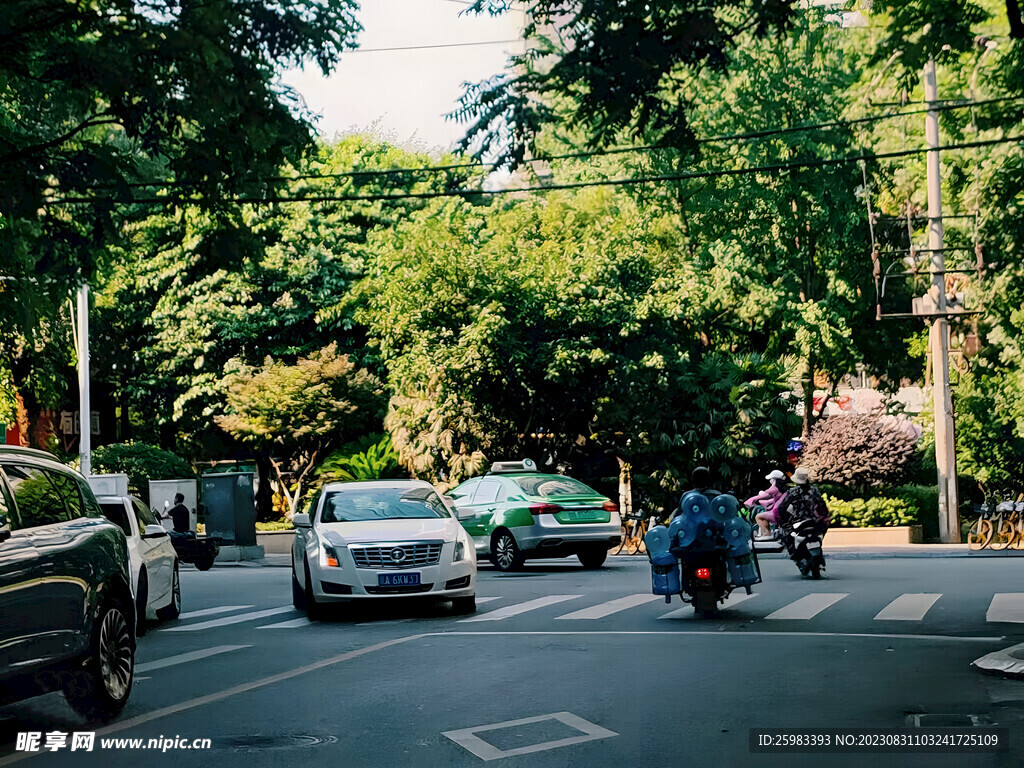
(580, 514)
(814, 551)
(398, 579)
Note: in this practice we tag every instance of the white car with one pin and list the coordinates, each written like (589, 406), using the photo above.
(154, 563)
(381, 539)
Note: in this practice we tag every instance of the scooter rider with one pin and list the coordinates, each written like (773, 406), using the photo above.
(769, 500)
(803, 501)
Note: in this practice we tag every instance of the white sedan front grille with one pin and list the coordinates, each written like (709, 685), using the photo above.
(397, 555)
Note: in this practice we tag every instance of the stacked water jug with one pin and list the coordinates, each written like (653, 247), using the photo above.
(703, 526)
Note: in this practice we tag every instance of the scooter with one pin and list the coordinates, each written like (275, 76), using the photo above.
(803, 542)
(200, 552)
(703, 554)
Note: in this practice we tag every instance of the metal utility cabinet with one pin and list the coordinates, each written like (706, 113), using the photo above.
(230, 507)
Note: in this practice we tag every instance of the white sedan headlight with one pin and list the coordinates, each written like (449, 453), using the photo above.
(460, 551)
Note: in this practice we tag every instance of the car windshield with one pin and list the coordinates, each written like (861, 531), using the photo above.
(553, 485)
(362, 504)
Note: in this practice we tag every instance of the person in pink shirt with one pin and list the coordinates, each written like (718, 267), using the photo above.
(769, 499)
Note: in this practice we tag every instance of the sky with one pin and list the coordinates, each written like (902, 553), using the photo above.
(405, 94)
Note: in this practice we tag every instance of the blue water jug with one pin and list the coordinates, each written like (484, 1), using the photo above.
(724, 507)
(665, 576)
(683, 531)
(742, 570)
(658, 541)
(737, 535)
(696, 505)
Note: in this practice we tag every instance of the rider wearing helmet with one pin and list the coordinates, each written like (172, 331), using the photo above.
(701, 481)
(769, 501)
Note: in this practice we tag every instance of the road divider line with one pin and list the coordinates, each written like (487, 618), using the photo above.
(518, 608)
(720, 633)
(1007, 607)
(173, 709)
(214, 611)
(290, 624)
(687, 612)
(612, 606)
(486, 599)
(184, 658)
(808, 606)
(908, 607)
(225, 621)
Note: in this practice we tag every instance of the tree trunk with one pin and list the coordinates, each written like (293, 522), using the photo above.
(1014, 16)
(264, 496)
(808, 396)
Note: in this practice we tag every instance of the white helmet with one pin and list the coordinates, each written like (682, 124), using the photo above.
(775, 474)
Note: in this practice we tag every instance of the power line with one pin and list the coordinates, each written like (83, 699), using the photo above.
(426, 47)
(949, 105)
(771, 168)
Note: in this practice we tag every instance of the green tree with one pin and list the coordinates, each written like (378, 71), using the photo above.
(293, 414)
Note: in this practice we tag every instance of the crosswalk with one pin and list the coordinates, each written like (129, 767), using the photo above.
(1002, 608)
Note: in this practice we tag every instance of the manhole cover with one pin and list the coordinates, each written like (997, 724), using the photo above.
(261, 743)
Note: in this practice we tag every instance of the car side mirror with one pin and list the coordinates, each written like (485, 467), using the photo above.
(301, 520)
(154, 531)
(5, 528)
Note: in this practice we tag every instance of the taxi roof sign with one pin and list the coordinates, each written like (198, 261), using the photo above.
(526, 465)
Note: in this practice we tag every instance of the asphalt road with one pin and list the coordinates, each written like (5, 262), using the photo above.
(558, 654)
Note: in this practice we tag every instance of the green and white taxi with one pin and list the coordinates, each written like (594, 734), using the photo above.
(515, 513)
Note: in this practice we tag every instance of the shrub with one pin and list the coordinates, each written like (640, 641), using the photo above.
(374, 458)
(284, 524)
(142, 463)
(863, 513)
(861, 450)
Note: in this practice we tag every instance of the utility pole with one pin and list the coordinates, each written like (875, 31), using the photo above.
(84, 408)
(945, 443)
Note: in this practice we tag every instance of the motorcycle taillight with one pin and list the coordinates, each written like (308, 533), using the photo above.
(703, 574)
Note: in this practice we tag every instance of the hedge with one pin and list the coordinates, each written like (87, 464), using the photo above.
(864, 513)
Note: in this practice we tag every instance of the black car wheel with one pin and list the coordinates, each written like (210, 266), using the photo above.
(101, 689)
(298, 594)
(464, 604)
(593, 557)
(173, 609)
(505, 553)
(314, 610)
(141, 599)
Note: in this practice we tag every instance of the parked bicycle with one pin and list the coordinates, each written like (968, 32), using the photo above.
(999, 526)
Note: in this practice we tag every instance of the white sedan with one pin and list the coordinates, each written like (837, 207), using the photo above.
(381, 539)
(154, 563)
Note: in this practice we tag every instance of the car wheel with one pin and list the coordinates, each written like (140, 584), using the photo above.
(101, 689)
(173, 609)
(505, 553)
(298, 594)
(314, 610)
(593, 557)
(464, 604)
(140, 604)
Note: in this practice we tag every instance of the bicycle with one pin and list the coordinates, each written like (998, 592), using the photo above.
(634, 528)
(980, 534)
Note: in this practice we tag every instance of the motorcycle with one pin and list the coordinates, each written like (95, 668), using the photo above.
(802, 540)
(704, 553)
(199, 552)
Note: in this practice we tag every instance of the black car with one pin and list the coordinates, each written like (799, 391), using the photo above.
(66, 604)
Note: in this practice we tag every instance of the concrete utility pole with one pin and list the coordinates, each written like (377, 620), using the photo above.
(945, 443)
(84, 408)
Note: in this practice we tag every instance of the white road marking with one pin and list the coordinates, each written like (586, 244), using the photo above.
(486, 599)
(184, 658)
(720, 633)
(213, 611)
(1006, 606)
(223, 622)
(290, 624)
(612, 606)
(908, 607)
(468, 739)
(515, 610)
(686, 612)
(808, 606)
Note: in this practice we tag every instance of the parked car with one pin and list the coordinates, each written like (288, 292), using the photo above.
(381, 539)
(515, 513)
(154, 564)
(68, 616)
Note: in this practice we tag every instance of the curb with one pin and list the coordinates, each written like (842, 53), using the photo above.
(1009, 662)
